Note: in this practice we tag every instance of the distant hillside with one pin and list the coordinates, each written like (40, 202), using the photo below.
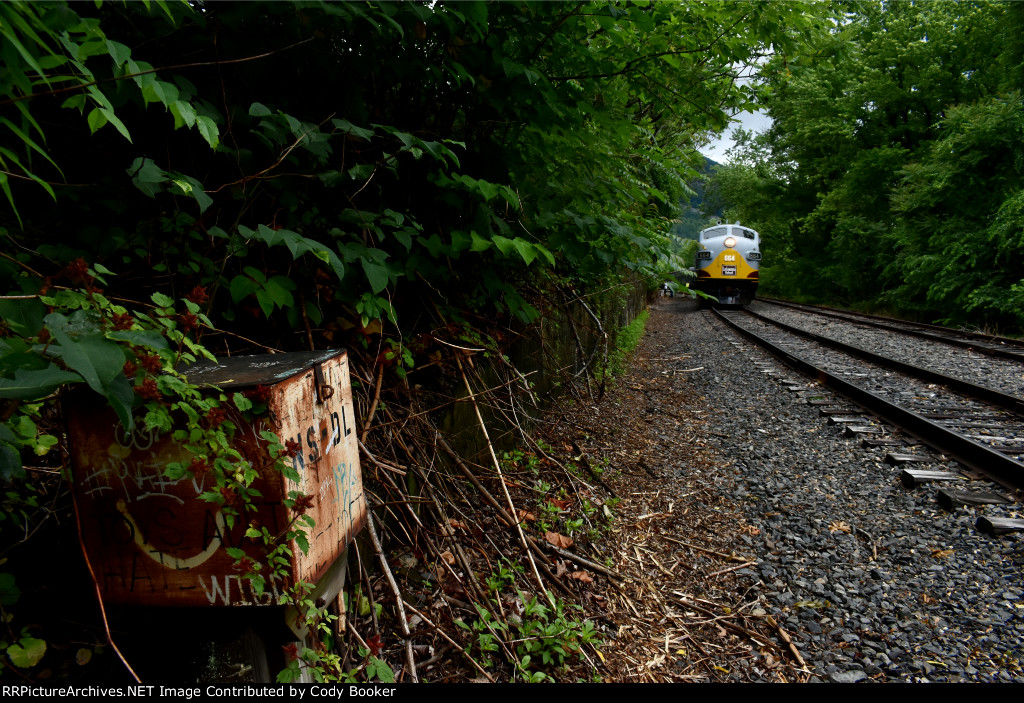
(691, 216)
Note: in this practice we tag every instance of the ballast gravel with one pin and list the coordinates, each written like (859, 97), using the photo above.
(1004, 375)
(871, 580)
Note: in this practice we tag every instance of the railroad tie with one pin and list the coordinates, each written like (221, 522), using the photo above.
(999, 526)
(912, 478)
(845, 419)
(951, 499)
(869, 442)
(894, 459)
(857, 430)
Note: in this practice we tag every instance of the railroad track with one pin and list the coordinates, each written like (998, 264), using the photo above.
(980, 428)
(991, 345)
(965, 364)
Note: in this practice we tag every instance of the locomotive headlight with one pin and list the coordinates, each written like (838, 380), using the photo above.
(730, 242)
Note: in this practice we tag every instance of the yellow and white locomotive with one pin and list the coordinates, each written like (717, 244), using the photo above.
(728, 260)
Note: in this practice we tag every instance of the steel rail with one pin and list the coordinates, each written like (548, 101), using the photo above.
(1002, 347)
(983, 393)
(974, 455)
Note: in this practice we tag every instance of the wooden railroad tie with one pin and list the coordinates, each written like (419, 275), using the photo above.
(829, 411)
(915, 477)
(869, 442)
(856, 430)
(999, 526)
(845, 419)
(951, 499)
(894, 459)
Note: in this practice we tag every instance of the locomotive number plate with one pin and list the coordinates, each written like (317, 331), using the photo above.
(728, 270)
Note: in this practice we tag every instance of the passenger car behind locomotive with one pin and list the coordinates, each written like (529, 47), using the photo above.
(728, 263)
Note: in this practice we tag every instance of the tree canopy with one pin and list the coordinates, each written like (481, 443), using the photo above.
(313, 168)
(187, 179)
(892, 174)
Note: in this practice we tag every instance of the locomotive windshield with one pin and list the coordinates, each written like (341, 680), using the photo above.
(725, 230)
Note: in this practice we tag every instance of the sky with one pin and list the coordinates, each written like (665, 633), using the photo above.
(752, 121)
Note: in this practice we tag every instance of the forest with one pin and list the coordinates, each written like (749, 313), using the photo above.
(423, 184)
(434, 186)
(892, 177)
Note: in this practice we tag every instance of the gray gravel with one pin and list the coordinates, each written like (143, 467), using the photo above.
(873, 581)
(980, 421)
(1002, 374)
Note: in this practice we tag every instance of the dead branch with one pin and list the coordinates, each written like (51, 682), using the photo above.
(497, 466)
(452, 642)
(371, 528)
(785, 638)
(727, 557)
(373, 405)
(593, 566)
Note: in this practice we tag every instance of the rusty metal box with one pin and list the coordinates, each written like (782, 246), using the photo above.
(152, 541)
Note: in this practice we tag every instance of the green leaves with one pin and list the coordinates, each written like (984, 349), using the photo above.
(147, 176)
(145, 338)
(24, 317)
(378, 669)
(270, 293)
(186, 185)
(31, 384)
(882, 171)
(343, 126)
(98, 361)
(28, 652)
(208, 129)
(297, 245)
(151, 180)
(376, 274)
(527, 250)
(487, 190)
(9, 591)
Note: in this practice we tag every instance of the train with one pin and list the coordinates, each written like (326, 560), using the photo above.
(728, 263)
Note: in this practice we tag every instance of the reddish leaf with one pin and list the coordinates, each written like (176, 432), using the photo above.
(558, 540)
(583, 576)
(374, 644)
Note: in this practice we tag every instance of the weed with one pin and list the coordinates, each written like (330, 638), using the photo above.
(517, 461)
(548, 635)
(544, 639)
(589, 509)
(376, 668)
(505, 577)
(626, 341)
(573, 526)
(550, 510)
(486, 629)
